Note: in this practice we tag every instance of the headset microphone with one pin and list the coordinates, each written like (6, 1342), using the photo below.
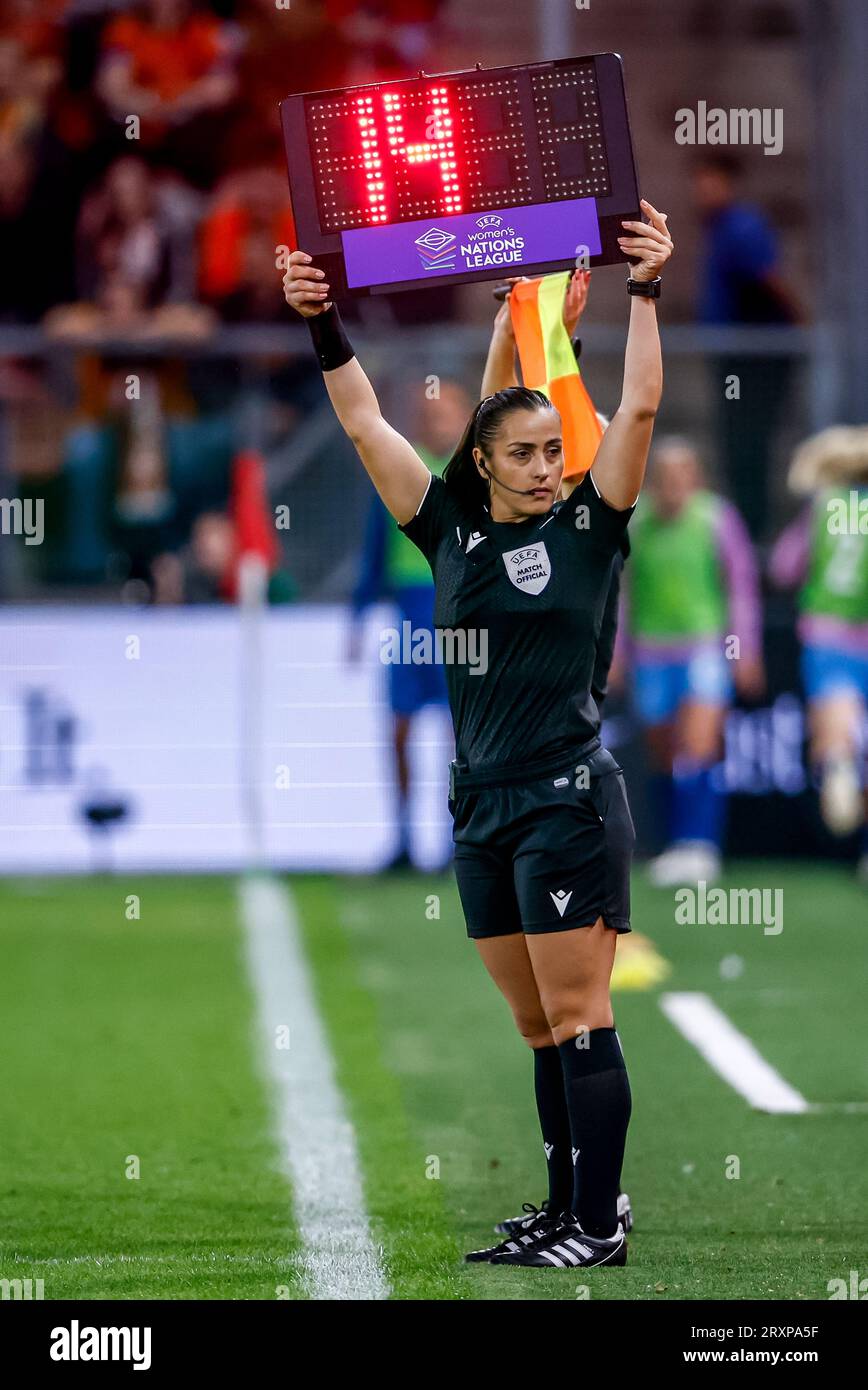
(517, 490)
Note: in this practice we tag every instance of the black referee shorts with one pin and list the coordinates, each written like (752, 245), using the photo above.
(545, 855)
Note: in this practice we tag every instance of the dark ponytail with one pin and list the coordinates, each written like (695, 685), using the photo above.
(461, 476)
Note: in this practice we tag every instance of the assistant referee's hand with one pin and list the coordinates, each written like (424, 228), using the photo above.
(304, 286)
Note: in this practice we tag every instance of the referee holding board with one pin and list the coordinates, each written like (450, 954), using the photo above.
(542, 829)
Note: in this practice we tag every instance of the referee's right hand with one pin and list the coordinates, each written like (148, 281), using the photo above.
(304, 287)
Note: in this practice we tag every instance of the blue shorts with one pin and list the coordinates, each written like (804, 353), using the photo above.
(660, 687)
(412, 687)
(831, 671)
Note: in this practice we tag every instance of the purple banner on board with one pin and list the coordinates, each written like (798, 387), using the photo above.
(503, 240)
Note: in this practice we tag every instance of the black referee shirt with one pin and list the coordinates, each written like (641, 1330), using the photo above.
(609, 626)
(519, 606)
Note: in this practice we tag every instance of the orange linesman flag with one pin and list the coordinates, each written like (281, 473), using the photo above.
(548, 364)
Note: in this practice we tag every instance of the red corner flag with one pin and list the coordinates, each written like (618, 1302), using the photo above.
(251, 514)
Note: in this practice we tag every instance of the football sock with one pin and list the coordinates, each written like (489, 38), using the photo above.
(554, 1120)
(697, 807)
(402, 821)
(599, 1104)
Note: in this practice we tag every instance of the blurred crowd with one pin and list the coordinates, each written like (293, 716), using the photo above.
(140, 146)
(143, 194)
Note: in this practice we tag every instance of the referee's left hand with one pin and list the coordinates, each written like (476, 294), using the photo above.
(651, 243)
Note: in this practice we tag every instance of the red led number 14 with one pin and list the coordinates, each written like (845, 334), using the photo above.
(438, 146)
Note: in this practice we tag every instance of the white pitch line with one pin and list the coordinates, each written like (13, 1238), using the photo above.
(731, 1054)
(317, 1140)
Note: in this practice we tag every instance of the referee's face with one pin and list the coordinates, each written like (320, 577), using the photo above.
(525, 464)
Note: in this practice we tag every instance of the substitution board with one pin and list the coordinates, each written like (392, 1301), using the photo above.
(467, 176)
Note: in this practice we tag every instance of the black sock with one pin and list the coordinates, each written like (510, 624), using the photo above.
(598, 1101)
(554, 1120)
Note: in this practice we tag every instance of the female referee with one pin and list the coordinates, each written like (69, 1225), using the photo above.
(542, 830)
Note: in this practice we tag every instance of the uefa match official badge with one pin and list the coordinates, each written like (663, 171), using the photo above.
(529, 568)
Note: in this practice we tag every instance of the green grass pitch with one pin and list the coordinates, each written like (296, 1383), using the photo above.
(127, 1045)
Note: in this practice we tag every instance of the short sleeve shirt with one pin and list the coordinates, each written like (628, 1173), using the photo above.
(518, 610)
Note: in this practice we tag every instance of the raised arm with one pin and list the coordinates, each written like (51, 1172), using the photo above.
(394, 467)
(619, 467)
(500, 370)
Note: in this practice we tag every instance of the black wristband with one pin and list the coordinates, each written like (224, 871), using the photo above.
(330, 342)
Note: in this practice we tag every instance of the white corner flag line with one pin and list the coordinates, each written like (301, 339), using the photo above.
(731, 1054)
(317, 1140)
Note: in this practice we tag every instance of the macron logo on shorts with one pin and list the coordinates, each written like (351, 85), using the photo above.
(561, 900)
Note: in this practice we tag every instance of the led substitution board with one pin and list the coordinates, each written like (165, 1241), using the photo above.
(468, 176)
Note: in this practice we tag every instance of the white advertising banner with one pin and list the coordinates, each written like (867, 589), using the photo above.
(156, 739)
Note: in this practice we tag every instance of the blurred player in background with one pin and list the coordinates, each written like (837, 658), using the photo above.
(826, 551)
(693, 588)
(392, 568)
(742, 283)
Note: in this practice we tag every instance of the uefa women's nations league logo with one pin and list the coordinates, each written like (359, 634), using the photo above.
(490, 244)
(437, 249)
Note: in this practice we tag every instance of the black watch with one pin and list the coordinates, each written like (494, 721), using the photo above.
(646, 289)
